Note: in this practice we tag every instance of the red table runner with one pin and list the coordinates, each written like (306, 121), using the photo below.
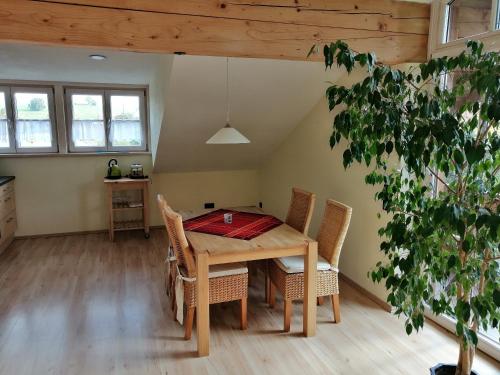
(245, 225)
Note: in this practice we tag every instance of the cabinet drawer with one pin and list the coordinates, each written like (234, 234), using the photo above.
(8, 226)
(7, 204)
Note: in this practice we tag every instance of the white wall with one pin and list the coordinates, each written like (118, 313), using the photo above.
(267, 100)
(60, 194)
(158, 86)
(305, 160)
(190, 190)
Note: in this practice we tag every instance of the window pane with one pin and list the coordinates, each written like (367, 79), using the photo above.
(4, 125)
(88, 120)
(467, 18)
(497, 22)
(126, 126)
(449, 82)
(33, 124)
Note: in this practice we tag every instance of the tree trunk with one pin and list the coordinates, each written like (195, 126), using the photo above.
(465, 359)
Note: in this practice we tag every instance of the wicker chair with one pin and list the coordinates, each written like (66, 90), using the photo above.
(287, 274)
(298, 217)
(300, 211)
(227, 282)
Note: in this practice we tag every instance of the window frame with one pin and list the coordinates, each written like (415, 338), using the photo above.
(60, 120)
(106, 93)
(54, 148)
(142, 109)
(10, 125)
(438, 47)
(68, 93)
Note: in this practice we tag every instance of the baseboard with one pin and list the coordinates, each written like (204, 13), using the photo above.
(31, 236)
(384, 305)
(42, 235)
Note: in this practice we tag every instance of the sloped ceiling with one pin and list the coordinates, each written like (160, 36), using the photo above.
(268, 98)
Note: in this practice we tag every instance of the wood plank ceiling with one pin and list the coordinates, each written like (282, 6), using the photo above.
(278, 29)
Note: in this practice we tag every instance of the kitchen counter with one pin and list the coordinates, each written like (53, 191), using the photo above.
(5, 179)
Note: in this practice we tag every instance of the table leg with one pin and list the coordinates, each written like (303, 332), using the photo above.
(310, 291)
(202, 306)
(145, 212)
(111, 214)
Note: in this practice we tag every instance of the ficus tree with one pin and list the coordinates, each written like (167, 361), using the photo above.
(429, 137)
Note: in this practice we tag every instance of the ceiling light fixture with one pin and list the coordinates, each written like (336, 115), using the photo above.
(227, 134)
(97, 57)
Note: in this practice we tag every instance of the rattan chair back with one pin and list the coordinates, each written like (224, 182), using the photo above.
(175, 230)
(300, 211)
(333, 230)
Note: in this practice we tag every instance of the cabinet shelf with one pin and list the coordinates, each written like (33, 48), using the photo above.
(128, 225)
(126, 184)
(127, 208)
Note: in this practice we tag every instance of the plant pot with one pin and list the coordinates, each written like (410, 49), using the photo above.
(442, 369)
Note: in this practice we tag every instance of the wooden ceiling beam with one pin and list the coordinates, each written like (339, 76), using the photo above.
(280, 29)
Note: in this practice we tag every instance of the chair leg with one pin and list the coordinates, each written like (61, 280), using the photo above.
(243, 314)
(188, 323)
(250, 273)
(172, 298)
(267, 288)
(172, 290)
(336, 307)
(272, 294)
(287, 314)
(320, 301)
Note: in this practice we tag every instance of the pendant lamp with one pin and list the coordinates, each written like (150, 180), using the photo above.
(227, 134)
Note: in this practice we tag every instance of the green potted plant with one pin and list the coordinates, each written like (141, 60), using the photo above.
(431, 148)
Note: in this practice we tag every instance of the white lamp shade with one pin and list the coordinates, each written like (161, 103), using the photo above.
(228, 135)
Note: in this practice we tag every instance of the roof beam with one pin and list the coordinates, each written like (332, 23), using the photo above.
(279, 29)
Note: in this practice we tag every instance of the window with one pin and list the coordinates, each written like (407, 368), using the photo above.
(466, 18)
(489, 337)
(86, 116)
(34, 125)
(106, 120)
(6, 139)
(27, 120)
(497, 20)
(52, 118)
(126, 122)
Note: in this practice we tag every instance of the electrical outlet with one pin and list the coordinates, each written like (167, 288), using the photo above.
(210, 205)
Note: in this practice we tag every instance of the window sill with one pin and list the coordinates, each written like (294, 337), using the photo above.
(455, 47)
(58, 154)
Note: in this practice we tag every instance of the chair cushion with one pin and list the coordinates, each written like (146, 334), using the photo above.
(228, 269)
(295, 264)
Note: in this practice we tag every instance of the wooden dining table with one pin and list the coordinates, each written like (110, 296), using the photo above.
(281, 241)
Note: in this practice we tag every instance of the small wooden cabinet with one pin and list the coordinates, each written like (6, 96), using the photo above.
(8, 220)
(120, 206)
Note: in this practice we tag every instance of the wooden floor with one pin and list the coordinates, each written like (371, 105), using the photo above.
(82, 305)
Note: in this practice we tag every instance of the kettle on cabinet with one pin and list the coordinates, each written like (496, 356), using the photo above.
(114, 171)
